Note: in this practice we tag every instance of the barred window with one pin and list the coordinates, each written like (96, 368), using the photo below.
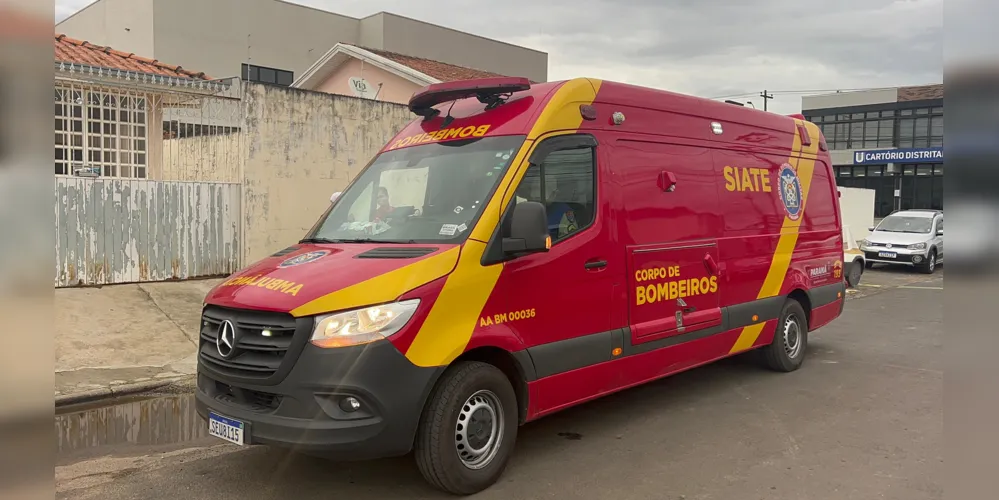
(101, 132)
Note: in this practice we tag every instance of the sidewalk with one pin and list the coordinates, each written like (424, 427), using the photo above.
(118, 336)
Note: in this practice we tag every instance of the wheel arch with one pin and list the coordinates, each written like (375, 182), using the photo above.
(517, 367)
(801, 296)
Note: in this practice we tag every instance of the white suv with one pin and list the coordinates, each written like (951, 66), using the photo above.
(908, 237)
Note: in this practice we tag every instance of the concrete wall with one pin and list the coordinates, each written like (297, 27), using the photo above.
(394, 88)
(857, 209)
(126, 25)
(203, 158)
(839, 99)
(302, 147)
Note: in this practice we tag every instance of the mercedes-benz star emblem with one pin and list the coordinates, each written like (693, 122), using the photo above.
(226, 340)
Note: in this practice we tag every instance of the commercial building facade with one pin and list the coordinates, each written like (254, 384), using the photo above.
(273, 41)
(888, 140)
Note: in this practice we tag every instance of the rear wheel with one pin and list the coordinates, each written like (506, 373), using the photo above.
(787, 351)
(468, 429)
(854, 273)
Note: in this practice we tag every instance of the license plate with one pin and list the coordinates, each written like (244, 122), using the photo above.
(226, 428)
(887, 255)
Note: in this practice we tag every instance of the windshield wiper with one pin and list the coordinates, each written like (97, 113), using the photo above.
(397, 242)
(318, 240)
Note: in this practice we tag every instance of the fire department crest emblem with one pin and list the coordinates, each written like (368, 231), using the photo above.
(304, 258)
(790, 191)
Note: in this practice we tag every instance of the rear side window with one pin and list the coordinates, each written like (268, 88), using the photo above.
(564, 182)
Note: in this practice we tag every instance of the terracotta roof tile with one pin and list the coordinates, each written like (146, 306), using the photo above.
(920, 93)
(72, 50)
(442, 71)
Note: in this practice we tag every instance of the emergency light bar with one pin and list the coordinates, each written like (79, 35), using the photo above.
(485, 89)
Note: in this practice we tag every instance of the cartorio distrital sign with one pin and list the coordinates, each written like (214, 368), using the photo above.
(905, 155)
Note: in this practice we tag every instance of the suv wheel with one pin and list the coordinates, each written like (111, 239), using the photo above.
(930, 265)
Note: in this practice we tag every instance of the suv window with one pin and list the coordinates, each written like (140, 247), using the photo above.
(564, 182)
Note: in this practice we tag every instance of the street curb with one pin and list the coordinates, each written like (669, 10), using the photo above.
(117, 390)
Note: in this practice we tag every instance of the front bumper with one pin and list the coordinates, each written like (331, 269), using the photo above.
(903, 256)
(302, 411)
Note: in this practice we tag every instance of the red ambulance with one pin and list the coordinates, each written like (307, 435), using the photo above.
(519, 249)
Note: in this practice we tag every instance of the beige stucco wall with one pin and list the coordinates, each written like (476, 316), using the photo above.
(301, 147)
(203, 158)
(126, 25)
(394, 88)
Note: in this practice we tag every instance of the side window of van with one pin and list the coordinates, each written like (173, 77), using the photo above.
(564, 182)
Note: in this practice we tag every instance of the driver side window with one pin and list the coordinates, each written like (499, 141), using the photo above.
(565, 183)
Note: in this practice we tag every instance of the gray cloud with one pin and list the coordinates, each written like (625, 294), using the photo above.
(702, 47)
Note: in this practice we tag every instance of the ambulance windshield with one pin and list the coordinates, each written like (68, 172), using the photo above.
(428, 193)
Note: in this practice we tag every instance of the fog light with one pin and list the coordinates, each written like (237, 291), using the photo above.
(350, 404)
(917, 259)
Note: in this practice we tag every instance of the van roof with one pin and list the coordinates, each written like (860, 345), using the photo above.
(467, 109)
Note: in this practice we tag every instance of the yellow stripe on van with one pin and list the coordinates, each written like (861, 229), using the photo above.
(383, 288)
(803, 160)
(448, 328)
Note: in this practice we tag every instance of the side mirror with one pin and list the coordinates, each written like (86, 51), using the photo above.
(528, 229)
(871, 229)
(335, 196)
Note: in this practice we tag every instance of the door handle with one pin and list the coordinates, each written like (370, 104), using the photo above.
(710, 264)
(595, 264)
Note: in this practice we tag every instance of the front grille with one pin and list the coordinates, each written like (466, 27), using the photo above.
(262, 341)
(256, 401)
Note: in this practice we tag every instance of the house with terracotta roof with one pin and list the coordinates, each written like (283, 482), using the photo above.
(112, 107)
(353, 70)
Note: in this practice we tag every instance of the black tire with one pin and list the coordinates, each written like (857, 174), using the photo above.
(776, 355)
(436, 448)
(854, 273)
(930, 265)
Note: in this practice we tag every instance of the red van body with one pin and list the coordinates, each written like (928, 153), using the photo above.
(696, 230)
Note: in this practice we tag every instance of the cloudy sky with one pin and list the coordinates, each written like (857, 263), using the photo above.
(710, 48)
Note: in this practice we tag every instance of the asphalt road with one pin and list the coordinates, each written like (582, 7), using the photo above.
(862, 419)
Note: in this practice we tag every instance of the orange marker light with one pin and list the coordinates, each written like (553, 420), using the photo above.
(548, 242)
(617, 351)
(755, 317)
(839, 294)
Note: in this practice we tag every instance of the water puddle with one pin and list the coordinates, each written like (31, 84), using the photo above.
(161, 420)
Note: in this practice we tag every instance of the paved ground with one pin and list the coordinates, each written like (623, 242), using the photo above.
(863, 419)
(123, 334)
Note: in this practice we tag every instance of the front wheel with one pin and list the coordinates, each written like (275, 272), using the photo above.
(930, 265)
(468, 429)
(787, 351)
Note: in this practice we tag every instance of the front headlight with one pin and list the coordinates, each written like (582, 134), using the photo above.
(917, 246)
(362, 326)
(865, 242)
